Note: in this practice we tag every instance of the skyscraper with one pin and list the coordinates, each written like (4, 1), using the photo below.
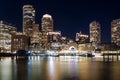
(115, 31)
(47, 26)
(95, 34)
(28, 19)
(47, 23)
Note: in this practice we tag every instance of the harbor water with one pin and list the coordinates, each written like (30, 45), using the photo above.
(58, 68)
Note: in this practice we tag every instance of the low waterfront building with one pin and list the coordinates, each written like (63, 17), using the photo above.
(87, 47)
(54, 36)
(19, 42)
(71, 46)
(109, 47)
(81, 38)
(54, 39)
(102, 47)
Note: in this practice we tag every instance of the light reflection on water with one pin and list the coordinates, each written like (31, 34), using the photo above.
(58, 68)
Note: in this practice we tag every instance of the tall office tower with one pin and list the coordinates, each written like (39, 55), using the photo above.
(115, 31)
(95, 34)
(81, 38)
(47, 23)
(28, 19)
(47, 26)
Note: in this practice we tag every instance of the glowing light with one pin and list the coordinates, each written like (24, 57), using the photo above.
(56, 33)
(47, 16)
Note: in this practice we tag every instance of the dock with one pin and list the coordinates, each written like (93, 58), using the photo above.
(112, 56)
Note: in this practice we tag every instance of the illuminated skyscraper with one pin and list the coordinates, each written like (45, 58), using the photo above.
(115, 31)
(47, 23)
(95, 34)
(47, 26)
(28, 19)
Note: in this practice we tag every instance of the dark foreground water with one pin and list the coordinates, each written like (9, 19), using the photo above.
(58, 68)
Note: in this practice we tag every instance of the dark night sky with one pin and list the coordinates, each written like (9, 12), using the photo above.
(70, 16)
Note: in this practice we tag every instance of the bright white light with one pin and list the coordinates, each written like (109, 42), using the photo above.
(6, 69)
(47, 16)
(51, 68)
(14, 52)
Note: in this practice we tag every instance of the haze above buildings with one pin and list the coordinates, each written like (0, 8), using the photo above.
(69, 16)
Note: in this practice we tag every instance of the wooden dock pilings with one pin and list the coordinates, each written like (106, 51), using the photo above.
(111, 56)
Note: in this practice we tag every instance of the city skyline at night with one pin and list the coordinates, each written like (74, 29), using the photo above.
(69, 16)
(59, 39)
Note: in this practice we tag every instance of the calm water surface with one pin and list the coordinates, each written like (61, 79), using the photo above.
(58, 68)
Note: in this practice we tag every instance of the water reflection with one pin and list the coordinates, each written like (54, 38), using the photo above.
(58, 68)
(22, 68)
(5, 72)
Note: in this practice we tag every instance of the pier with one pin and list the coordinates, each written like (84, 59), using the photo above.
(111, 56)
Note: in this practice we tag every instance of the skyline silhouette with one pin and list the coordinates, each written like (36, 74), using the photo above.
(69, 17)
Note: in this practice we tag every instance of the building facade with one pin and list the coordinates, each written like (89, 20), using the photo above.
(115, 31)
(35, 39)
(47, 23)
(19, 42)
(47, 26)
(6, 30)
(28, 19)
(7, 27)
(36, 35)
(54, 39)
(95, 32)
(81, 38)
